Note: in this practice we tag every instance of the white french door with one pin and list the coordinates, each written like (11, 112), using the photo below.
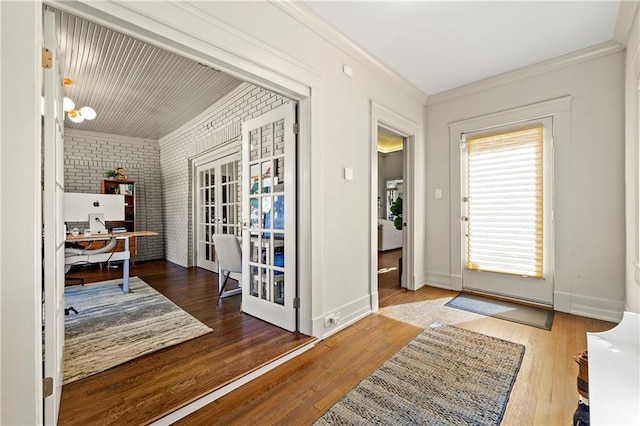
(53, 274)
(269, 205)
(507, 225)
(217, 205)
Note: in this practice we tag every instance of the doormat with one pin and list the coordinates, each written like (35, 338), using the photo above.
(514, 312)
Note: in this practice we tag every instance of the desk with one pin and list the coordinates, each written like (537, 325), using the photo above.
(124, 255)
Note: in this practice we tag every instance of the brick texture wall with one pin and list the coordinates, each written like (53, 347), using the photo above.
(218, 126)
(89, 155)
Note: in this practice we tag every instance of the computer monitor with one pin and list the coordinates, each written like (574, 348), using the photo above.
(96, 209)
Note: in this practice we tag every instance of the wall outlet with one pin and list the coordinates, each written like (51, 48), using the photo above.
(333, 319)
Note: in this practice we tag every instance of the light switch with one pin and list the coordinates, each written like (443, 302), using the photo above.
(347, 70)
(438, 193)
(348, 173)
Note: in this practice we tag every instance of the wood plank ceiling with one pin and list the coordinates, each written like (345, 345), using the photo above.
(136, 89)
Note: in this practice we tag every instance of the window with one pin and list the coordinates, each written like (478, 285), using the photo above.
(505, 202)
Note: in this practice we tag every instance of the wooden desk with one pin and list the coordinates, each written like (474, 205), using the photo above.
(124, 255)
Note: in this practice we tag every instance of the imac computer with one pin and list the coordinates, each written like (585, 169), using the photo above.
(97, 209)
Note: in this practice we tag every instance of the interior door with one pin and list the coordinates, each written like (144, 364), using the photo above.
(507, 211)
(268, 202)
(218, 206)
(53, 175)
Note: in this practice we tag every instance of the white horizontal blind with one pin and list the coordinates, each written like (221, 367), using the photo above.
(505, 202)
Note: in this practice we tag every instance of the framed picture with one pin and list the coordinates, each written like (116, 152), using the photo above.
(126, 189)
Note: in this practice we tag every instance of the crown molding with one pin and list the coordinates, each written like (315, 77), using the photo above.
(307, 17)
(582, 55)
(626, 15)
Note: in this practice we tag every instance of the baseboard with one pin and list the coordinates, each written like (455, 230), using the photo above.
(590, 307)
(437, 279)
(420, 280)
(349, 314)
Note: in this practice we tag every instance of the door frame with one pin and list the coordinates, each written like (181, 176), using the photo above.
(560, 111)
(21, 213)
(410, 131)
(215, 154)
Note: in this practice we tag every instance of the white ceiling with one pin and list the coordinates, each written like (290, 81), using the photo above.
(441, 45)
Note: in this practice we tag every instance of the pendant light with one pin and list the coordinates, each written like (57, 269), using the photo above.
(76, 115)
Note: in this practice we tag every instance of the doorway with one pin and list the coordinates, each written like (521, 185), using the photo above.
(260, 75)
(390, 211)
(395, 126)
(217, 204)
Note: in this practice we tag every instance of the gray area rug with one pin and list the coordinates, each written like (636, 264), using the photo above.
(112, 327)
(445, 376)
(527, 315)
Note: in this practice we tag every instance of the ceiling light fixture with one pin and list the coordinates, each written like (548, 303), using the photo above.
(76, 115)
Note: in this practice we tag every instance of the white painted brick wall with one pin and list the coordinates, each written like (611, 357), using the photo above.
(219, 125)
(89, 155)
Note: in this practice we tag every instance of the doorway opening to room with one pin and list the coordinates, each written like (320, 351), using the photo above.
(397, 182)
(390, 221)
(194, 290)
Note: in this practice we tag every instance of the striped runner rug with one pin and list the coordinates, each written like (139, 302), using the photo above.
(445, 376)
(112, 327)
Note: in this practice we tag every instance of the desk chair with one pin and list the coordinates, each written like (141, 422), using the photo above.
(229, 256)
(76, 256)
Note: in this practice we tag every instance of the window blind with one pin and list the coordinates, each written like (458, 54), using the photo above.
(505, 202)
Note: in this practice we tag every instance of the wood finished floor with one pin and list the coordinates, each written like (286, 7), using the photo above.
(301, 390)
(144, 389)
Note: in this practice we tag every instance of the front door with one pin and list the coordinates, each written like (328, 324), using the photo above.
(217, 206)
(507, 223)
(269, 212)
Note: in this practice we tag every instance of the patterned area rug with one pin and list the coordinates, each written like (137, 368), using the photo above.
(112, 327)
(445, 376)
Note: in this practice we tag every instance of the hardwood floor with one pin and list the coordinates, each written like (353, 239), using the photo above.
(145, 389)
(302, 389)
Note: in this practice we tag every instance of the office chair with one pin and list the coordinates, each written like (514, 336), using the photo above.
(76, 256)
(229, 256)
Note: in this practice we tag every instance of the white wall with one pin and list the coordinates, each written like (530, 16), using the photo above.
(589, 225)
(20, 215)
(632, 288)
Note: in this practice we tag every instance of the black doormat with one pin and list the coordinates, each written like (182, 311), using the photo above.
(514, 312)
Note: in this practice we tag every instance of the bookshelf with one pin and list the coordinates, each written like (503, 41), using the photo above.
(126, 188)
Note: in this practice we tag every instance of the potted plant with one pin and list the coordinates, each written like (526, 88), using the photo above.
(396, 210)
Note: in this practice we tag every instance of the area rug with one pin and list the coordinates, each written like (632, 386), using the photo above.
(112, 327)
(514, 312)
(445, 376)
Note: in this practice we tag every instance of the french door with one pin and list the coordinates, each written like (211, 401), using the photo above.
(507, 222)
(217, 206)
(52, 205)
(269, 213)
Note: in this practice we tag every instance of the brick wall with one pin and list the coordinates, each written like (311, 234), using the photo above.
(218, 126)
(89, 155)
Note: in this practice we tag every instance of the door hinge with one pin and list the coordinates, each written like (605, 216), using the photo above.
(47, 58)
(296, 128)
(47, 387)
(296, 302)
